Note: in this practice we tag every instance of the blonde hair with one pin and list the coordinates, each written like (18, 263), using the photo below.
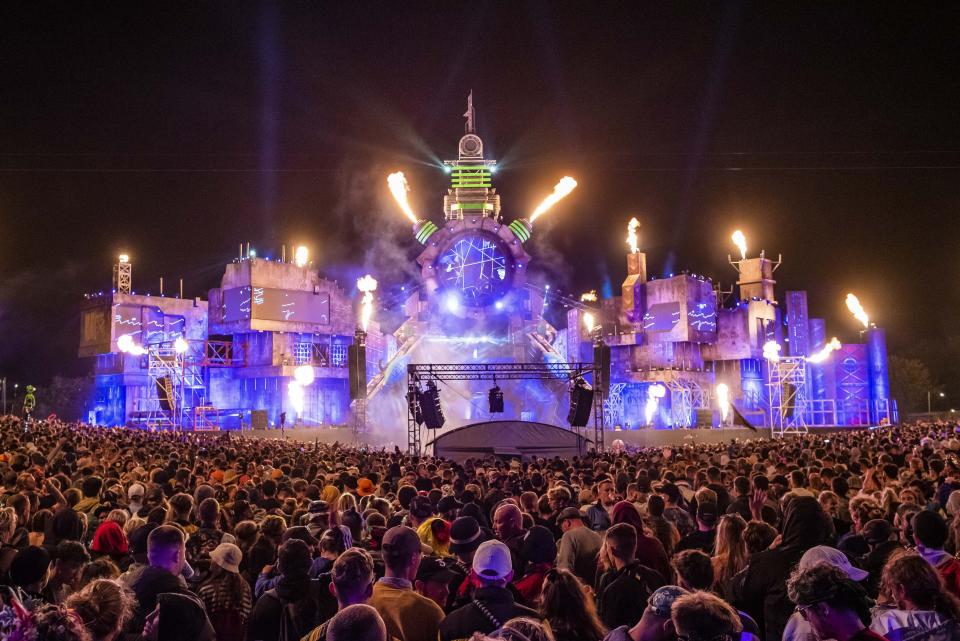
(8, 523)
(104, 606)
(132, 524)
(118, 516)
(346, 502)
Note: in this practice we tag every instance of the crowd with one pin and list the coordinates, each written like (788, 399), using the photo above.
(124, 534)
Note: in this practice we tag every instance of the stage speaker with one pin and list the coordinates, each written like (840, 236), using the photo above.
(357, 370)
(581, 402)
(789, 390)
(165, 393)
(430, 407)
(496, 400)
(704, 418)
(258, 419)
(601, 364)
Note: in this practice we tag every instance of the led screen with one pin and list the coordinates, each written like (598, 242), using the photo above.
(476, 267)
(263, 303)
(661, 317)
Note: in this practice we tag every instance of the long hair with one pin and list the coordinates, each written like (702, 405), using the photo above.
(104, 606)
(732, 552)
(569, 609)
(921, 583)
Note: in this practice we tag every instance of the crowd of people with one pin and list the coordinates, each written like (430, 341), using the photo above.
(123, 534)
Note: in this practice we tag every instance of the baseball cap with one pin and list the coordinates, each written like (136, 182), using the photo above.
(492, 561)
(433, 568)
(227, 556)
(448, 503)
(661, 601)
(707, 513)
(831, 556)
(421, 507)
(401, 540)
(318, 507)
(568, 513)
(299, 532)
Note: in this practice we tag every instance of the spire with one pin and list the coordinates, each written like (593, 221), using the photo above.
(469, 114)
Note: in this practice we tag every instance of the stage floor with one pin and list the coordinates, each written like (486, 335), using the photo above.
(632, 438)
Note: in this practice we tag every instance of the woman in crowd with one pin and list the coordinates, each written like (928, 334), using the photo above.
(915, 604)
(731, 556)
(104, 606)
(567, 605)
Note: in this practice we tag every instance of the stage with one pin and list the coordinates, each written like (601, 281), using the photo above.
(632, 438)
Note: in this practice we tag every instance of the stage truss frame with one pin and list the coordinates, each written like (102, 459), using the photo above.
(686, 396)
(445, 372)
(787, 392)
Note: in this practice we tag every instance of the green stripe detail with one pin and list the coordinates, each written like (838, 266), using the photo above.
(520, 231)
(426, 231)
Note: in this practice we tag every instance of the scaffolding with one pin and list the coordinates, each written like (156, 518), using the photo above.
(494, 372)
(686, 397)
(787, 392)
(613, 404)
(180, 375)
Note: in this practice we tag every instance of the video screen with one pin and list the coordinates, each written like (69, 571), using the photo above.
(262, 303)
(661, 317)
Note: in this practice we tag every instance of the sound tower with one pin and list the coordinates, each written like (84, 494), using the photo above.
(496, 400)
(601, 364)
(581, 402)
(165, 393)
(357, 370)
(789, 389)
(430, 407)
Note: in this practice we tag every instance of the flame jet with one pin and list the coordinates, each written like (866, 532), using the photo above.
(367, 285)
(741, 242)
(853, 304)
(633, 241)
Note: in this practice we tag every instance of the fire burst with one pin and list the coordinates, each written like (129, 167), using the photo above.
(741, 242)
(654, 394)
(399, 188)
(853, 304)
(824, 353)
(771, 351)
(366, 284)
(723, 400)
(560, 190)
(632, 240)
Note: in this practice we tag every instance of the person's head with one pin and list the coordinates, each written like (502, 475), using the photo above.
(357, 622)
(208, 512)
(930, 530)
(102, 568)
(741, 485)
(57, 623)
(828, 599)
(166, 548)
(492, 564)
(702, 616)
(759, 536)
(178, 617)
(655, 623)
(30, 568)
(507, 521)
(569, 519)
(522, 629)
(352, 577)
(694, 570)
(730, 533)
(569, 608)
(606, 492)
(91, 487)
(707, 515)
(69, 557)
(104, 606)
(180, 507)
(655, 505)
(227, 557)
(402, 552)
(8, 524)
(433, 579)
(465, 537)
(294, 559)
(911, 583)
(621, 542)
(830, 503)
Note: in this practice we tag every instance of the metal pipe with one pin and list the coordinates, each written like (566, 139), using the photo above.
(161, 286)
(181, 288)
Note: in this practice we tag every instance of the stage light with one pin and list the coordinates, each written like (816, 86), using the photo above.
(498, 304)
(252, 253)
(741, 242)
(453, 303)
(771, 351)
(180, 346)
(301, 256)
(304, 375)
(124, 259)
(853, 304)
(496, 400)
(633, 240)
(447, 169)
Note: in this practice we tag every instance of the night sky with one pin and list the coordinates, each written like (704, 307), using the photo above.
(827, 132)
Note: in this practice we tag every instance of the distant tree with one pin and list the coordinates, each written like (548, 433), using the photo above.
(66, 397)
(910, 380)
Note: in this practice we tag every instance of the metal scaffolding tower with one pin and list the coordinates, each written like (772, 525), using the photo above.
(787, 392)
(686, 396)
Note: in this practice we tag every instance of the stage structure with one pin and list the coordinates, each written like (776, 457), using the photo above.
(277, 344)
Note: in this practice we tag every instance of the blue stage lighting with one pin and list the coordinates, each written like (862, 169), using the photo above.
(453, 303)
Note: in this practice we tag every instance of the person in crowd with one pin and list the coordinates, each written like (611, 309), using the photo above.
(493, 603)
(693, 570)
(665, 531)
(8, 526)
(740, 504)
(880, 536)
(294, 602)
(104, 606)
(522, 629)
(704, 536)
(579, 546)
(914, 602)
(28, 574)
(598, 513)
(408, 615)
(357, 622)
(674, 511)
(798, 628)
(166, 557)
(566, 604)
(226, 597)
(930, 533)
(702, 616)
(508, 528)
(655, 623)
(759, 536)
(540, 551)
(351, 582)
(834, 605)
(731, 556)
(626, 581)
(649, 550)
(69, 558)
(434, 576)
(179, 617)
(760, 589)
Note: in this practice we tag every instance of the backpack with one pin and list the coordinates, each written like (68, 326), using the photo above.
(292, 629)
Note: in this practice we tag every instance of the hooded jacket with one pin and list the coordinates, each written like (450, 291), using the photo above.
(761, 588)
